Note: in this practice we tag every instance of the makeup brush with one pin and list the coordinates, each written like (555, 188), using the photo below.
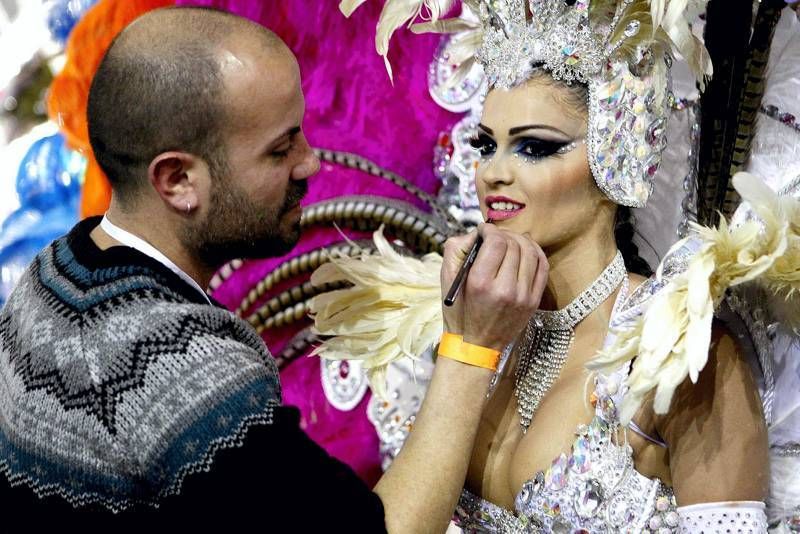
(461, 276)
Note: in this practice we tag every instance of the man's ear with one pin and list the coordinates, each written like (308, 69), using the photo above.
(177, 178)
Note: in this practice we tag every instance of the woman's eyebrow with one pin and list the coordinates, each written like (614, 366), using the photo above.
(518, 129)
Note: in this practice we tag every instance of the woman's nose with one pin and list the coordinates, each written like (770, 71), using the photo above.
(495, 171)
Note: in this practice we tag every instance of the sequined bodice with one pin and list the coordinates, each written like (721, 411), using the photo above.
(593, 488)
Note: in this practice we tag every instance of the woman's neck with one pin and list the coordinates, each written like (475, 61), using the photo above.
(575, 265)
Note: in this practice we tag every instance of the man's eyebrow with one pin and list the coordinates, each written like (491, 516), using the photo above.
(290, 132)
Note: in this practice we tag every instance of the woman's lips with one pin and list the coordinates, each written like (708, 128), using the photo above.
(500, 215)
(503, 214)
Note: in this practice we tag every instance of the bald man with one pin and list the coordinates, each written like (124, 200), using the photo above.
(125, 393)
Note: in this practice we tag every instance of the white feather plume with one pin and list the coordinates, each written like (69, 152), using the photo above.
(398, 13)
(348, 6)
(677, 26)
(657, 8)
(392, 311)
(671, 339)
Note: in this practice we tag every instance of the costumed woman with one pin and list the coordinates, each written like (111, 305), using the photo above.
(667, 432)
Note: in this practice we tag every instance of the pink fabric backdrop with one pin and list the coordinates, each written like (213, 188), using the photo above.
(351, 106)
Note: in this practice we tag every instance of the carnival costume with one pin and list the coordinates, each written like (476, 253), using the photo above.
(659, 335)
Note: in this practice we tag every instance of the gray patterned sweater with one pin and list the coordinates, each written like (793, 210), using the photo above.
(122, 391)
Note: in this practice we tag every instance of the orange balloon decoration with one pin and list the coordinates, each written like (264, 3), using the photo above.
(69, 92)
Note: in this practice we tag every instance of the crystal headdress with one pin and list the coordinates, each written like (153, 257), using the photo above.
(620, 49)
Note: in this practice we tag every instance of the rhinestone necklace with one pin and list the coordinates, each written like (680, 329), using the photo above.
(549, 336)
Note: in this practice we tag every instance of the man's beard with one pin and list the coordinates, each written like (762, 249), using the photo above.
(237, 227)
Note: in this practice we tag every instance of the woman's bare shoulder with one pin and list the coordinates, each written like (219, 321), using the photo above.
(716, 430)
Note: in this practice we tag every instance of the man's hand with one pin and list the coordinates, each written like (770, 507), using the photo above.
(502, 290)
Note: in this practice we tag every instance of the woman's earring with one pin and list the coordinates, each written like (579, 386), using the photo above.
(188, 207)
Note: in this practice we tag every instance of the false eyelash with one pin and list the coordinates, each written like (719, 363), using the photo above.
(540, 149)
(481, 143)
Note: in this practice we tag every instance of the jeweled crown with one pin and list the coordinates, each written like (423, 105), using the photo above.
(555, 34)
(620, 49)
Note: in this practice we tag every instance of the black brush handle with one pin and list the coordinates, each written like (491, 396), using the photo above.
(455, 289)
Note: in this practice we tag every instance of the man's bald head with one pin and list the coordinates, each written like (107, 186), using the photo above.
(161, 87)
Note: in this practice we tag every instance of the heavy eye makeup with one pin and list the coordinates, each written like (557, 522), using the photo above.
(484, 144)
(529, 148)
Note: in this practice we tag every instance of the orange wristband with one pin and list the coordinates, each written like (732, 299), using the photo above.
(453, 346)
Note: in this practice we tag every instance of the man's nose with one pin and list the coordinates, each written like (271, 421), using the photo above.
(308, 166)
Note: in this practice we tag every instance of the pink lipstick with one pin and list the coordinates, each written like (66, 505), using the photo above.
(500, 208)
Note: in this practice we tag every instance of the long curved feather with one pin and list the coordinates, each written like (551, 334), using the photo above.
(398, 13)
(657, 9)
(348, 6)
(445, 26)
(663, 25)
(677, 26)
(392, 311)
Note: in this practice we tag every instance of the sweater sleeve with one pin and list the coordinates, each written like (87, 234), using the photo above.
(281, 477)
(277, 480)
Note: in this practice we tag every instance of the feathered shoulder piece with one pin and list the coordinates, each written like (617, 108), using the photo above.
(670, 340)
(392, 310)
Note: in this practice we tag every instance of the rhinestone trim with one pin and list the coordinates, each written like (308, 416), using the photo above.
(781, 116)
(549, 335)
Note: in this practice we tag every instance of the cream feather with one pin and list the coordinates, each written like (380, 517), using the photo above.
(782, 279)
(472, 5)
(671, 339)
(638, 10)
(392, 311)
(395, 13)
(461, 73)
(464, 45)
(398, 13)
(657, 8)
(677, 26)
(663, 25)
(695, 8)
(437, 8)
(348, 6)
(445, 26)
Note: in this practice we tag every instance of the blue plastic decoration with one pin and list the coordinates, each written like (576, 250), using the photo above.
(49, 188)
(62, 16)
(26, 232)
(50, 174)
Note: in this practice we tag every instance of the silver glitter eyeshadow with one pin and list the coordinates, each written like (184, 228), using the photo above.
(566, 149)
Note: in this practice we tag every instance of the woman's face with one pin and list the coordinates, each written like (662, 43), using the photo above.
(534, 174)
